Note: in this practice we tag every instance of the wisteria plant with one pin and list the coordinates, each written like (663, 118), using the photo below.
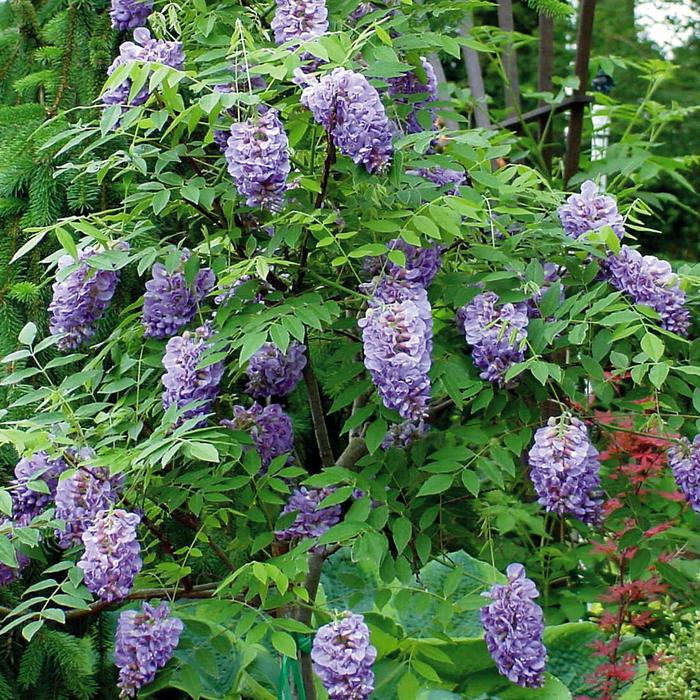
(328, 401)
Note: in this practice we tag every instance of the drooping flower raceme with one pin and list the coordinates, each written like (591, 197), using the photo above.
(652, 282)
(299, 20)
(403, 435)
(684, 460)
(170, 302)
(513, 627)
(144, 643)
(258, 159)
(351, 111)
(565, 469)
(311, 521)
(147, 50)
(184, 381)
(496, 332)
(410, 89)
(274, 373)
(397, 341)
(270, 429)
(112, 554)
(442, 177)
(80, 300)
(342, 657)
(80, 497)
(590, 211)
(129, 14)
(26, 502)
(425, 261)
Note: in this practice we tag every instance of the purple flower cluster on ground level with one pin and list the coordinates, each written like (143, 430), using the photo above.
(343, 657)
(145, 641)
(513, 627)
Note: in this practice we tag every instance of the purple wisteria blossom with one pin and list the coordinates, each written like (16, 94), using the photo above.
(146, 50)
(229, 291)
(299, 20)
(397, 341)
(590, 211)
(403, 435)
(8, 574)
(343, 656)
(649, 281)
(424, 261)
(411, 89)
(170, 302)
(129, 14)
(184, 380)
(80, 300)
(269, 427)
(311, 521)
(351, 111)
(364, 8)
(565, 469)
(144, 643)
(80, 497)
(112, 554)
(258, 159)
(684, 460)
(450, 179)
(26, 502)
(513, 627)
(274, 373)
(496, 332)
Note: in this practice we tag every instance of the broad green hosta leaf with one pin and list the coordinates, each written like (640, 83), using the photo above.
(348, 585)
(207, 663)
(490, 685)
(570, 654)
(459, 579)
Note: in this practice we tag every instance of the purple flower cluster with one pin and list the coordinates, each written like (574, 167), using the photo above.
(311, 521)
(145, 641)
(270, 429)
(258, 159)
(513, 627)
(299, 20)
(590, 211)
(129, 14)
(8, 573)
(170, 302)
(79, 499)
(112, 554)
(26, 502)
(364, 8)
(397, 340)
(80, 300)
(442, 177)
(403, 435)
(184, 381)
(351, 111)
(274, 373)
(424, 263)
(342, 657)
(409, 89)
(684, 460)
(652, 282)
(496, 332)
(146, 50)
(565, 469)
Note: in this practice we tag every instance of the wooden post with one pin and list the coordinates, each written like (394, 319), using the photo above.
(435, 62)
(584, 39)
(545, 84)
(474, 76)
(510, 59)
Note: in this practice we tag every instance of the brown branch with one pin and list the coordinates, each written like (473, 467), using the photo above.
(65, 63)
(311, 583)
(318, 416)
(192, 522)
